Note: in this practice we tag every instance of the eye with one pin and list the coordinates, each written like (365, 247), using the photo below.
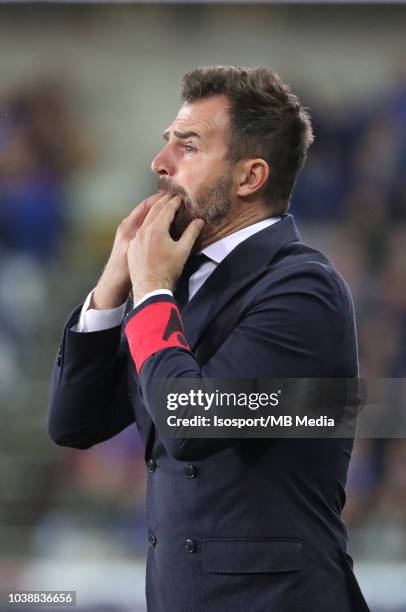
(190, 148)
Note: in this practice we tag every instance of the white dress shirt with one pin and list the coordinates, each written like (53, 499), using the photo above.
(96, 320)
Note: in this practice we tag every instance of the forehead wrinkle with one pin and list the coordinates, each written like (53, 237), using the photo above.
(182, 135)
(203, 127)
(184, 132)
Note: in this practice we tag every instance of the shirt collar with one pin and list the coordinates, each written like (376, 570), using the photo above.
(218, 250)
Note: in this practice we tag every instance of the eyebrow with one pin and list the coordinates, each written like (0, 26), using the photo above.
(182, 135)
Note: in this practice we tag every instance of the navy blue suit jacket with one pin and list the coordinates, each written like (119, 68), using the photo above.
(245, 525)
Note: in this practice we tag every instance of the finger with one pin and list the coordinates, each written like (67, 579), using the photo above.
(189, 236)
(148, 202)
(138, 214)
(167, 213)
(156, 208)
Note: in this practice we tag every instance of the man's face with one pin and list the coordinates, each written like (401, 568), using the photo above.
(193, 163)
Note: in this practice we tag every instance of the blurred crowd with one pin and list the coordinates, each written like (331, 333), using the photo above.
(40, 147)
(351, 198)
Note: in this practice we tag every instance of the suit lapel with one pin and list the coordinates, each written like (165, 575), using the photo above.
(241, 267)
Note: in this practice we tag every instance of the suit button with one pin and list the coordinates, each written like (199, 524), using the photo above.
(151, 540)
(190, 470)
(151, 465)
(190, 546)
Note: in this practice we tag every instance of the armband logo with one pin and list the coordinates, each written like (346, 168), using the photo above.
(174, 325)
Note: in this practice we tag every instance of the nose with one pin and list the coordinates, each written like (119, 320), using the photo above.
(162, 164)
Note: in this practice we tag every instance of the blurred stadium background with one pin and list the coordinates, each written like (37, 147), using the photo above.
(85, 93)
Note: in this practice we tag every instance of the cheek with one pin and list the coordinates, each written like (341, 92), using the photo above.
(192, 177)
(197, 174)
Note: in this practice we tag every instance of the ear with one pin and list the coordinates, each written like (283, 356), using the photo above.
(251, 177)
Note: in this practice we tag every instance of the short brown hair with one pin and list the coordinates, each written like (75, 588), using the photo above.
(267, 121)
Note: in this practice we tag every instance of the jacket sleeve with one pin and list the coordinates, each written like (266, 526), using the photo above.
(89, 397)
(300, 329)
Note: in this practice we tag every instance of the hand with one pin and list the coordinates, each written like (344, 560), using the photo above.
(114, 284)
(155, 261)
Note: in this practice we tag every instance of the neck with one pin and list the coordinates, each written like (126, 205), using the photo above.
(212, 233)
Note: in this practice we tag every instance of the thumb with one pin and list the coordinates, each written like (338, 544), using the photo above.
(189, 236)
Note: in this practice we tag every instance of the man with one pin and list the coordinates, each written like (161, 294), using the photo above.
(242, 525)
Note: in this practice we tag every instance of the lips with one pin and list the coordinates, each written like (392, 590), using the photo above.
(165, 186)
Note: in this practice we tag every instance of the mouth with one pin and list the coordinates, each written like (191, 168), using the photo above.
(173, 192)
(164, 186)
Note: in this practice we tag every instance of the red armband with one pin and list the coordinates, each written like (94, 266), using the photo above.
(153, 327)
